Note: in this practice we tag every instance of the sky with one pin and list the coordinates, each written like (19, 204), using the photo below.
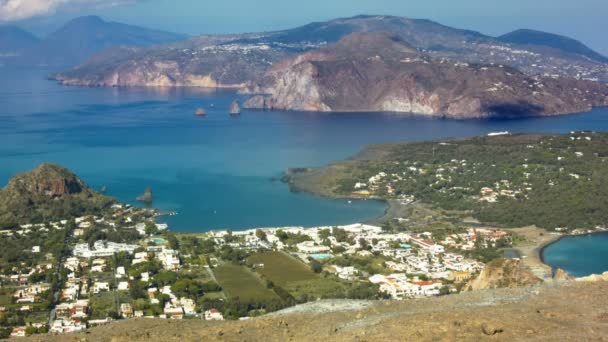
(584, 20)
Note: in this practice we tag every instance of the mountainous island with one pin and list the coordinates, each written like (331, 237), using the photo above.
(371, 63)
(75, 42)
(381, 72)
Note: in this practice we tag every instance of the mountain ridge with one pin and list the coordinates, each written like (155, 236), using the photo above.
(239, 60)
(82, 37)
(566, 44)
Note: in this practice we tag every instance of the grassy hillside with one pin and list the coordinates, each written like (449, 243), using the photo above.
(514, 180)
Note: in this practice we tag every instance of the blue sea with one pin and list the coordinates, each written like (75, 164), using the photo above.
(580, 256)
(218, 171)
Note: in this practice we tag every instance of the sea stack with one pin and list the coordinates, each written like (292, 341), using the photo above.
(235, 109)
(146, 197)
(200, 112)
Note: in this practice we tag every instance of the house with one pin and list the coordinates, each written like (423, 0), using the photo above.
(120, 272)
(18, 332)
(213, 315)
(126, 310)
(100, 286)
(123, 286)
(309, 247)
(173, 312)
(346, 273)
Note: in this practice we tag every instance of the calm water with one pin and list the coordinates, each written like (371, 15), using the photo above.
(217, 171)
(579, 255)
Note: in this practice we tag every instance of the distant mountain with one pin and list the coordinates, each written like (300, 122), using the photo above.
(13, 40)
(380, 72)
(82, 37)
(240, 61)
(49, 192)
(564, 44)
(422, 33)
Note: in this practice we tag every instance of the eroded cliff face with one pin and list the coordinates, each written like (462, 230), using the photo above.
(503, 273)
(378, 72)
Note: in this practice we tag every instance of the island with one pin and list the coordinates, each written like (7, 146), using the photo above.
(371, 64)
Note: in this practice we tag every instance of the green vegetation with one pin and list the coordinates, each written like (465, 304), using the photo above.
(239, 282)
(285, 272)
(549, 181)
(48, 193)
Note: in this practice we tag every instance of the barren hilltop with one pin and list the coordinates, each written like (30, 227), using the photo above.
(570, 312)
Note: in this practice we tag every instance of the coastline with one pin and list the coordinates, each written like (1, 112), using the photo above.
(540, 239)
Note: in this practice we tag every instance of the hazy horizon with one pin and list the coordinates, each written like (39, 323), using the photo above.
(582, 20)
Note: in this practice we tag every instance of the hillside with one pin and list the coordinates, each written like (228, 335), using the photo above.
(14, 40)
(381, 72)
(571, 313)
(510, 180)
(241, 60)
(47, 193)
(82, 37)
(561, 43)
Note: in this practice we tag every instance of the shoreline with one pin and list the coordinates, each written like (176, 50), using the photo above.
(541, 248)
(532, 255)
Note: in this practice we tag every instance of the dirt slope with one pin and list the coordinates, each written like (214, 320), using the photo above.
(568, 313)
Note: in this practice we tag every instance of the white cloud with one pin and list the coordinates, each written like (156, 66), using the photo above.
(11, 10)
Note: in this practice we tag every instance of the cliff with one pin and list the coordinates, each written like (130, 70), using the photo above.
(49, 192)
(503, 273)
(380, 72)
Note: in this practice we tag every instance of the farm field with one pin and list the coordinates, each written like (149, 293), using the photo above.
(238, 281)
(294, 276)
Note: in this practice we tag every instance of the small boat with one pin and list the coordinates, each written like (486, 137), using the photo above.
(200, 112)
(235, 109)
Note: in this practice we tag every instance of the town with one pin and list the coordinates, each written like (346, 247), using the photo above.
(125, 265)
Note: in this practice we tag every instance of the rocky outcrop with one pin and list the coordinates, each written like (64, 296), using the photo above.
(379, 72)
(503, 273)
(235, 108)
(47, 180)
(146, 197)
(561, 275)
(49, 192)
(594, 277)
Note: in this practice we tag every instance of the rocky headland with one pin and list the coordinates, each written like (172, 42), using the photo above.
(370, 63)
(377, 72)
(47, 192)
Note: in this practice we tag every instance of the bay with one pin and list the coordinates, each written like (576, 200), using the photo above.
(217, 171)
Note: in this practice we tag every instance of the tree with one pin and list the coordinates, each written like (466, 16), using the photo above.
(151, 228)
(363, 243)
(173, 241)
(187, 288)
(324, 234)
(261, 235)
(315, 266)
(164, 278)
(282, 235)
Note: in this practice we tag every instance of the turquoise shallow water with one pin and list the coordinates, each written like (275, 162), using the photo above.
(217, 171)
(579, 255)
